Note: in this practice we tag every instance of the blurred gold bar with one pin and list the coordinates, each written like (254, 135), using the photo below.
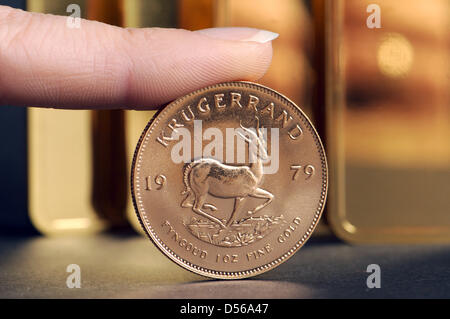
(196, 14)
(388, 113)
(291, 72)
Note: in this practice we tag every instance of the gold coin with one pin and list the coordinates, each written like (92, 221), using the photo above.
(229, 181)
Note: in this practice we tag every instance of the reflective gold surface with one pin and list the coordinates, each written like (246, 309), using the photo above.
(60, 171)
(388, 115)
(395, 55)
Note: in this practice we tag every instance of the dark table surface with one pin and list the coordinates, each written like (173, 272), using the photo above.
(126, 266)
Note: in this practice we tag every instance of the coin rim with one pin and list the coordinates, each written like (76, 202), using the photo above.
(151, 233)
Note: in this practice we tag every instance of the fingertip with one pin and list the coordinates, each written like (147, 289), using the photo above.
(186, 61)
(251, 47)
(239, 59)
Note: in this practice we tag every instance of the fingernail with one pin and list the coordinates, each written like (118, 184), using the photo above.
(240, 34)
(262, 36)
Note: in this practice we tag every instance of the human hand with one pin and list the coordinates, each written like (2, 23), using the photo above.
(98, 66)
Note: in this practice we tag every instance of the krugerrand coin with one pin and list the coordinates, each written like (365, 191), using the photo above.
(229, 181)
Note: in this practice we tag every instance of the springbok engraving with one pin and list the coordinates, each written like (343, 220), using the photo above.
(209, 176)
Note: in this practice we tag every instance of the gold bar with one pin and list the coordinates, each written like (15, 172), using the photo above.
(388, 130)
